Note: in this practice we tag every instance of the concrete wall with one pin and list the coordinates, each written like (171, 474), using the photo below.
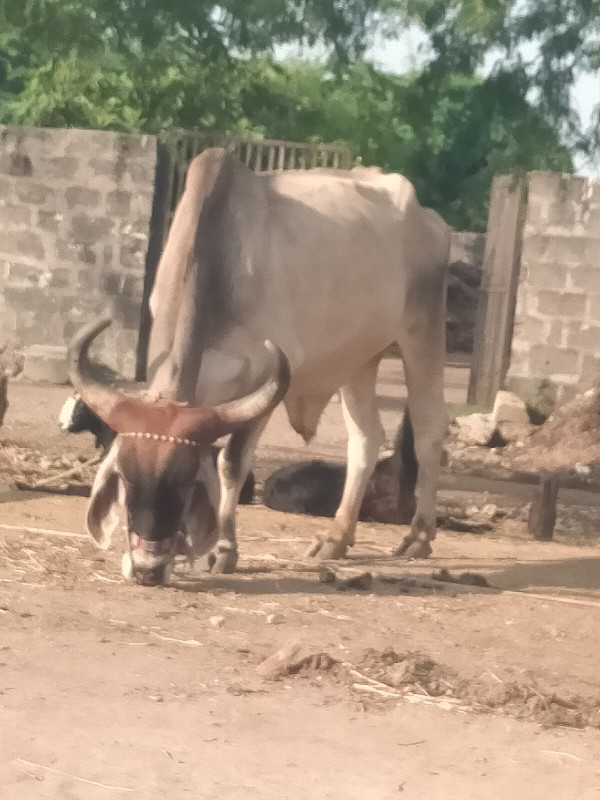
(74, 219)
(556, 338)
(75, 210)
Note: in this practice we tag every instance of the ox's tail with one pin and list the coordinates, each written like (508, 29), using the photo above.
(406, 467)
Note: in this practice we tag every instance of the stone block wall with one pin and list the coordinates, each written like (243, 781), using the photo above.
(556, 337)
(75, 211)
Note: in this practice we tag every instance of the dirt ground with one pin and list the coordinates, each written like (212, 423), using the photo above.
(411, 687)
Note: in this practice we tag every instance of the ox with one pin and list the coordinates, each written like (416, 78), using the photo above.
(313, 487)
(77, 417)
(333, 268)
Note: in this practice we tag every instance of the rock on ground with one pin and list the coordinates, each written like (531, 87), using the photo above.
(508, 407)
(474, 429)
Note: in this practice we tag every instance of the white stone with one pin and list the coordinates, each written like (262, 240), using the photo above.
(475, 429)
(508, 407)
(489, 511)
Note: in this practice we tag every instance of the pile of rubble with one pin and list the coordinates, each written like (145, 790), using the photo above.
(504, 442)
(484, 443)
(569, 439)
(508, 422)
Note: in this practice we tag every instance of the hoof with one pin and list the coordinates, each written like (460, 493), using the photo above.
(206, 562)
(414, 548)
(225, 562)
(156, 577)
(328, 549)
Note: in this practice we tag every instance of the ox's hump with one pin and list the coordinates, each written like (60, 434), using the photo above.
(382, 189)
(211, 172)
(392, 187)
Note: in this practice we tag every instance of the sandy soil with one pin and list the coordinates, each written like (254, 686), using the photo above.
(429, 689)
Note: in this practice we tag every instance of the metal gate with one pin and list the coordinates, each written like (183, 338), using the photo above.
(175, 152)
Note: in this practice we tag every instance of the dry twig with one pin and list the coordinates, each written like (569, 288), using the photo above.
(74, 777)
(41, 531)
(91, 462)
(365, 687)
(188, 642)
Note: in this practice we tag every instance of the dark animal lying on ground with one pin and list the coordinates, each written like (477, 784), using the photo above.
(315, 487)
(77, 417)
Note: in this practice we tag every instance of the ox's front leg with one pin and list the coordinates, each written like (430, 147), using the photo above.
(424, 354)
(364, 438)
(234, 463)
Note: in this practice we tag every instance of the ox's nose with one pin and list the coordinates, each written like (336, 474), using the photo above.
(150, 560)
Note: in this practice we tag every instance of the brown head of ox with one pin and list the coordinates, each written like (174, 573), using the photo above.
(158, 482)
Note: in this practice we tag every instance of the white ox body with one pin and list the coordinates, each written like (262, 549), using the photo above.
(331, 266)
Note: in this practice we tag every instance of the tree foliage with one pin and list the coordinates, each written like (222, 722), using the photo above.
(546, 44)
(449, 133)
(155, 65)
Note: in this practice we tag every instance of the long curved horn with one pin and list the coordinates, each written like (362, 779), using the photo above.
(104, 399)
(101, 399)
(263, 399)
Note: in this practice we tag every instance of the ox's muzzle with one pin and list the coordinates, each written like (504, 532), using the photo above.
(149, 562)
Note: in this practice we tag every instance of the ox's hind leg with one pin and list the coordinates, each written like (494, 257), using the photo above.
(233, 464)
(359, 407)
(424, 355)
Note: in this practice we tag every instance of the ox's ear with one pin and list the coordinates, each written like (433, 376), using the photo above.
(106, 501)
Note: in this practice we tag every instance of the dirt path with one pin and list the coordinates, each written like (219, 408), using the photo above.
(110, 690)
(294, 743)
(156, 690)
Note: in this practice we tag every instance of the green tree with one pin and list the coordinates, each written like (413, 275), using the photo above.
(449, 133)
(155, 65)
(544, 43)
(548, 42)
(122, 65)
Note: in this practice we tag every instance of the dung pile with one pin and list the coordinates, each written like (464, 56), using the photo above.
(570, 437)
